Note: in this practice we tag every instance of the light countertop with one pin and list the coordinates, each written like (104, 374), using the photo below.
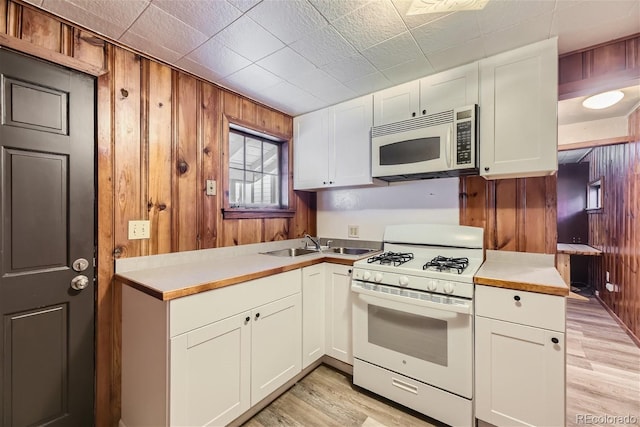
(186, 277)
(521, 271)
(577, 249)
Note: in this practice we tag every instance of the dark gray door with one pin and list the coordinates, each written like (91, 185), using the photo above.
(47, 194)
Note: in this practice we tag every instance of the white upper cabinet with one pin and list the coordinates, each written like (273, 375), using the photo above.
(518, 112)
(439, 92)
(397, 103)
(450, 89)
(332, 146)
(311, 150)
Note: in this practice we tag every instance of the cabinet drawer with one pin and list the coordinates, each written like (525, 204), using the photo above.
(525, 308)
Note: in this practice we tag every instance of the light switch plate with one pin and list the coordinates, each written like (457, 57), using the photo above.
(139, 229)
(354, 231)
(211, 187)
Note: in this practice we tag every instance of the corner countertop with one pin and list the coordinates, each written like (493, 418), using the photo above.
(521, 271)
(211, 269)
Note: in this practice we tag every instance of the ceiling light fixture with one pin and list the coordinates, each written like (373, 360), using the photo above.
(418, 7)
(603, 100)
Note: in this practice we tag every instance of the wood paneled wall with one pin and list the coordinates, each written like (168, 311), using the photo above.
(516, 214)
(159, 136)
(616, 228)
(611, 65)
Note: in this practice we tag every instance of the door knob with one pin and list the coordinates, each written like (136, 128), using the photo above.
(80, 282)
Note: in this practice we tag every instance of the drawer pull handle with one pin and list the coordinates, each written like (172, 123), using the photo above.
(404, 386)
(247, 319)
(257, 316)
(555, 340)
(517, 297)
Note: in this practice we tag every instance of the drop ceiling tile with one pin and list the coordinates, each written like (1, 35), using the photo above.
(249, 39)
(122, 12)
(413, 21)
(286, 63)
(251, 79)
(199, 70)
(498, 15)
(527, 32)
(287, 20)
(332, 9)
(371, 24)
(323, 47)
(157, 25)
(587, 23)
(392, 52)
(462, 54)
(244, 5)
(151, 48)
(410, 70)
(350, 68)
(82, 17)
(204, 15)
(291, 99)
(452, 30)
(369, 83)
(219, 58)
(323, 86)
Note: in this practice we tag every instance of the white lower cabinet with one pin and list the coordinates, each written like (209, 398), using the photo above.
(207, 358)
(275, 345)
(338, 311)
(519, 358)
(210, 373)
(313, 313)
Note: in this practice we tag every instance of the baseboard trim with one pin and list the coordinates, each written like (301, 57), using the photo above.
(629, 332)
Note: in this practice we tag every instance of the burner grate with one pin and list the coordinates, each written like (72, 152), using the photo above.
(395, 258)
(441, 263)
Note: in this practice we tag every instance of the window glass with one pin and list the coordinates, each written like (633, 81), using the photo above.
(254, 171)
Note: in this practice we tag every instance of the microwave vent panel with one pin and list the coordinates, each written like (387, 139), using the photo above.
(435, 119)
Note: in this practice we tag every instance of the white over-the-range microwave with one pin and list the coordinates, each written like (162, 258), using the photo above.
(436, 145)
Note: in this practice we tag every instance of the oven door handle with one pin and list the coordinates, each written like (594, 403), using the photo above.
(364, 293)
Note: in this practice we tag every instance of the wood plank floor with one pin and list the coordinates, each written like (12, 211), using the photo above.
(603, 378)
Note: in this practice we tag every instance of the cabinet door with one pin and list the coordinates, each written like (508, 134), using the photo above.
(311, 150)
(350, 137)
(313, 308)
(276, 348)
(396, 103)
(520, 374)
(210, 373)
(518, 112)
(338, 305)
(450, 89)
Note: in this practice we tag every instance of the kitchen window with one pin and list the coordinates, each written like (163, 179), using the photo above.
(256, 174)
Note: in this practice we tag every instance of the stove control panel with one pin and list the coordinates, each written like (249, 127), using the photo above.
(441, 286)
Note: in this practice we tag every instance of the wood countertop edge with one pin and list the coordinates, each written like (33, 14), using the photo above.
(522, 286)
(195, 289)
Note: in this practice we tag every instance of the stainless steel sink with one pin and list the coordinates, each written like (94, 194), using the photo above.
(291, 252)
(349, 251)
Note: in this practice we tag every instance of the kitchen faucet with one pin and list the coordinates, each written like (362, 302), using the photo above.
(315, 242)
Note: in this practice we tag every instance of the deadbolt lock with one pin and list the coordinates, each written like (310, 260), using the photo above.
(80, 264)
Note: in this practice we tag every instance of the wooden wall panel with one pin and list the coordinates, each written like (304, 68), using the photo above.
(211, 110)
(186, 196)
(615, 229)
(516, 214)
(149, 118)
(158, 140)
(127, 153)
(41, 30)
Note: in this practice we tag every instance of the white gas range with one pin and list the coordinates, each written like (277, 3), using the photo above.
(413, 319)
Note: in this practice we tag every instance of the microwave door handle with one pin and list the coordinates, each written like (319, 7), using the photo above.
(447, 150)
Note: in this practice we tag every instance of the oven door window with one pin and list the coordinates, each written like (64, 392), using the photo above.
(421, 337)
(411, 151)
